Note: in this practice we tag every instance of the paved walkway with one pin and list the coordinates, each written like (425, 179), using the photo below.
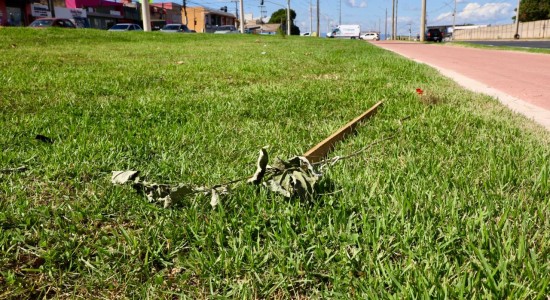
(519, 80)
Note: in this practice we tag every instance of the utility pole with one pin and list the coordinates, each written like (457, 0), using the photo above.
(262, 12)
(396, 9)
(318, 22)
(410, 31)
(51, 8)
(516, 36)
(184, 4)
(288, 18)
(386, 26)
(146, 15)
(454, 22)
(236, 10)
(340, 14)
(242, 16)
(393, 20)
(423, 22)
(310, 19)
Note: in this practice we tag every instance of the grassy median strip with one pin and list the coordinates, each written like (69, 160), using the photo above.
(509, 48)
(456, 205)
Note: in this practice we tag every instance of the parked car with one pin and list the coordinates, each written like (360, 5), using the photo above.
(372, 36)
(126, 27)
(224, 29)
(171, 28)
(52, 22)
(434, 35)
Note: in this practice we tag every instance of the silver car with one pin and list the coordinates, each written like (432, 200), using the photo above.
(126, 27)
(224, 29)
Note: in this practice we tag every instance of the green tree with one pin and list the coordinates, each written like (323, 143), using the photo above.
(279, 17)
(534, 10)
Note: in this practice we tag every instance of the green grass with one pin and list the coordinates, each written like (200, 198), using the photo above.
(509, 48)
(455, 206)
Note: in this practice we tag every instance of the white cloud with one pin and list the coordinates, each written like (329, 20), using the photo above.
(354, 3)
(479, 14)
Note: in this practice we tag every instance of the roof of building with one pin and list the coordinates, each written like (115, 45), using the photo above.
(167, 5)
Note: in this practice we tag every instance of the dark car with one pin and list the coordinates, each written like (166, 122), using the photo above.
(52, 22)
(175, 28)
(434, 35)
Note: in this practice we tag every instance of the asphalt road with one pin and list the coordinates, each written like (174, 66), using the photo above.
(520, 43)
(518, 79)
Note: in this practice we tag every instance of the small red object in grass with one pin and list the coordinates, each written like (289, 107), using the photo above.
(419, 91)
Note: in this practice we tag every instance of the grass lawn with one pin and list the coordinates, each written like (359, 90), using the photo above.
(521, 49)
(456, 204)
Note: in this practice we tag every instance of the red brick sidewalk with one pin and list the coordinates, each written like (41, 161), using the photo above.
(523, 76)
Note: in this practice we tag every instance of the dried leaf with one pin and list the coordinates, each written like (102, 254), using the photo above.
(274, 186)
(215, 198)
(121, 177)
(293, 178)
(261, 166)
(303, 184)
(164, 193)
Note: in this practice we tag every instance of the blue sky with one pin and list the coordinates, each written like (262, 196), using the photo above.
(370, 14)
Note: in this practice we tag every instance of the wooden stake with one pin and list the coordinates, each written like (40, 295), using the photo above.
(321, 150)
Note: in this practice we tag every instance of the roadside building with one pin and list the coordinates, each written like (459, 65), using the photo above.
(169, 12)
(202, 19)
(85, 13)
(101, 14)
(23, 12)
(165, 13)
(259, 26)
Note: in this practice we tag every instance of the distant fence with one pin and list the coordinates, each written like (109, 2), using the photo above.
(527, 30)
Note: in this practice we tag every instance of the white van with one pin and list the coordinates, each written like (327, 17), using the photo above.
(345, 32)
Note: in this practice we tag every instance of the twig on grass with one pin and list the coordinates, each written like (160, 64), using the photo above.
(295, 177)
(14, 170)
(333, 160)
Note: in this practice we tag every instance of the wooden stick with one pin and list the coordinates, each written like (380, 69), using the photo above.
(19, 169)
(321, 150)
